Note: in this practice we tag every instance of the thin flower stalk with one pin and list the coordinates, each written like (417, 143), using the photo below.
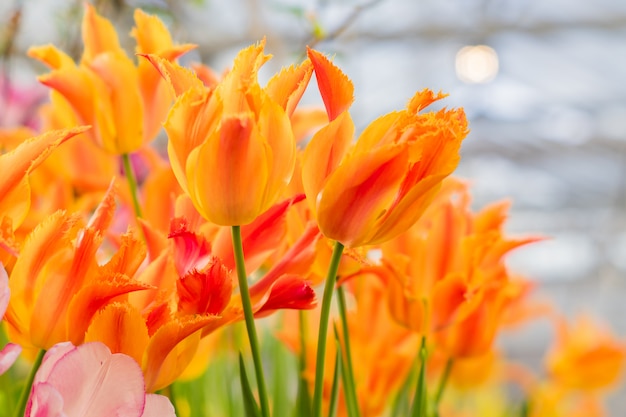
(249, 318)
(329, 287)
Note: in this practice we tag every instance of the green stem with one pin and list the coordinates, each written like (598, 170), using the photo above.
(323, 329)
(249, 316)
(419, 408)
(132, 183)
(442, 385)
(21, 408)
(350, 387)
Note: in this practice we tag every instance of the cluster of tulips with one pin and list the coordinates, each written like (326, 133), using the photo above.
(129, 269)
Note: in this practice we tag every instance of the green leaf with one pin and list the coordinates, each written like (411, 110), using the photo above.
(250, 404)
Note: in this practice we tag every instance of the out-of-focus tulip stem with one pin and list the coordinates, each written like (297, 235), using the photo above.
(329, 288)
(249, 318)
(350, 387)
(442, 385)
(21, 407)
(419, 407)
(132, 183)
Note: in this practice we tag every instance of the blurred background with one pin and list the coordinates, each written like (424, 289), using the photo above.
(543, 83)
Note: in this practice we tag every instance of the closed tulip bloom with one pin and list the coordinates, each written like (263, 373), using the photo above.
(370, 192)
(232, 147)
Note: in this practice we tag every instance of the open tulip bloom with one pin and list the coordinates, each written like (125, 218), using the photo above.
(157, 293)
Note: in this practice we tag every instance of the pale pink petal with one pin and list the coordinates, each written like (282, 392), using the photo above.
(158, 406)
(50, 359)
(44, 401)
(8, 355)
(5, 292)
(93, 382)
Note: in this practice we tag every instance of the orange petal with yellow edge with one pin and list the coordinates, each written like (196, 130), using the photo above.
(51, 56)
(99, 35)
(179, 79)
(287, 86)
(18, 163)
(358, 193)
(194, 117)
(121, 327)
(323, 155)
(230, 196)
(120, 76)
(128, 257)
(335, 87)
(160, 367)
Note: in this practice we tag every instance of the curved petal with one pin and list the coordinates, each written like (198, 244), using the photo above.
(94, 382)
(8, 355)
(335, 87)
(158, 406)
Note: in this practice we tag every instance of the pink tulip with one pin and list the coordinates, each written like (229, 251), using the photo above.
(11, 351)
(89, 380)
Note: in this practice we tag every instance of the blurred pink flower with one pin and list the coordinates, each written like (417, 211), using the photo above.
(11, 351)
(19, 104)
(89, 380)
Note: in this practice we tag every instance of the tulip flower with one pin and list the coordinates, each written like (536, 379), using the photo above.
(232, 148)
(56, 283)
(17, 165)
(373, 191)
(585, 355)
(90, 381)
(446, 275)
(124, 103)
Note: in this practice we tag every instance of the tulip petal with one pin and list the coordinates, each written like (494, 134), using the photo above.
(94, 382)
(18, 164)
(99, 35)
(158, 406)
(358, 193)
(8, 355)
(231, 196)
(92, 297)
(335, 87)
(5, 291)
(323, 155)
(193, 117)
(45, 401)
(286, 87)
(168, 352)
(120, 76)
(121, 327)
(51, 56)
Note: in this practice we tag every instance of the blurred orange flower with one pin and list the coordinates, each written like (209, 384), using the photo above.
(371, 192)
(124, 103)
(446, 275)
(585, 355)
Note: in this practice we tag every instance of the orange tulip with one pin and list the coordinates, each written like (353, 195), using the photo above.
(372, 191)
(15, 186)
(232, 148)
(586, 356)
(123, 102)
(56, 283)
(446, 275)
